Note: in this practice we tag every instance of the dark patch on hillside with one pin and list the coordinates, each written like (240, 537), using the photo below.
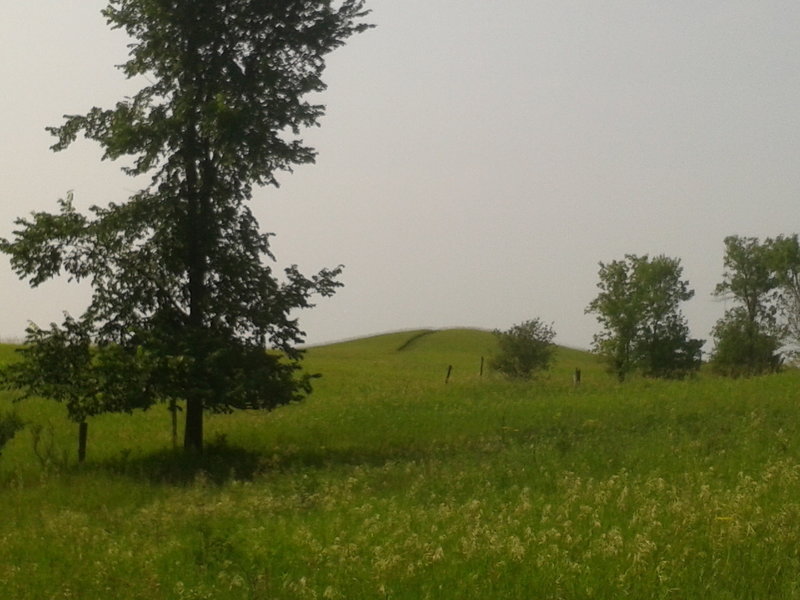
(414, 338)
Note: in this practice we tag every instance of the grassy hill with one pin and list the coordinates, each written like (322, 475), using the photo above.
(430, 352)
(389, 483)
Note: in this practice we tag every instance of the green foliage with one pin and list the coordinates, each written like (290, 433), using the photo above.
(785, 262)
(743, 348)
(56, 363)
(748, 337)
(10, 423)
(643, 327)
(180, 271)
(749, 278)
(524, 349)
(61, 364)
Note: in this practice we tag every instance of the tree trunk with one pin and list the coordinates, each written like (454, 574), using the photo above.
(193, 432)
(173, 409)
(83, 433)
(197, 244)
(199, 188)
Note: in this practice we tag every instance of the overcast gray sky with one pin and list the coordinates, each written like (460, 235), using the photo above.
(477, 159)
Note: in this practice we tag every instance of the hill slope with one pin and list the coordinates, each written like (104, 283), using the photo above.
(428, 353)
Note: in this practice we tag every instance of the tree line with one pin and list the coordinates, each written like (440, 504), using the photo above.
(645, 331)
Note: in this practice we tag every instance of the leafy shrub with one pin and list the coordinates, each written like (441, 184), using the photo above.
(744, 348)
(524, 349)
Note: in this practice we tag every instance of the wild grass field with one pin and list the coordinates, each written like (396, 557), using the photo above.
(389, 483)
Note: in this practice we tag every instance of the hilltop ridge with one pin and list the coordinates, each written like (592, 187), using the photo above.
(433, 351)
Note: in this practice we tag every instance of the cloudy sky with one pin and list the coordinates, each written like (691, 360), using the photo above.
(477, 159)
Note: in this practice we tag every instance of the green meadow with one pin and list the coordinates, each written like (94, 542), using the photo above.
(389, 483)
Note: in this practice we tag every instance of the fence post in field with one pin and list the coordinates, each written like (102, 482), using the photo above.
(576, 377)
(481, 372)
(449, 371)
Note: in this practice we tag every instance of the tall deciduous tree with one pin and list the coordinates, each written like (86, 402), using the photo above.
(180, 271)
(643, 327)
(748, 337)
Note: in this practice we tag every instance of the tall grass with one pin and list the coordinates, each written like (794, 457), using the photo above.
(389, 483)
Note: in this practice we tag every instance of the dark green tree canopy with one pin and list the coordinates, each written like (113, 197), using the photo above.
(749, 336)
(638, 307)
(743, 348)
(524, 349)
(749, 278)
(180, 272)
(229, 82)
